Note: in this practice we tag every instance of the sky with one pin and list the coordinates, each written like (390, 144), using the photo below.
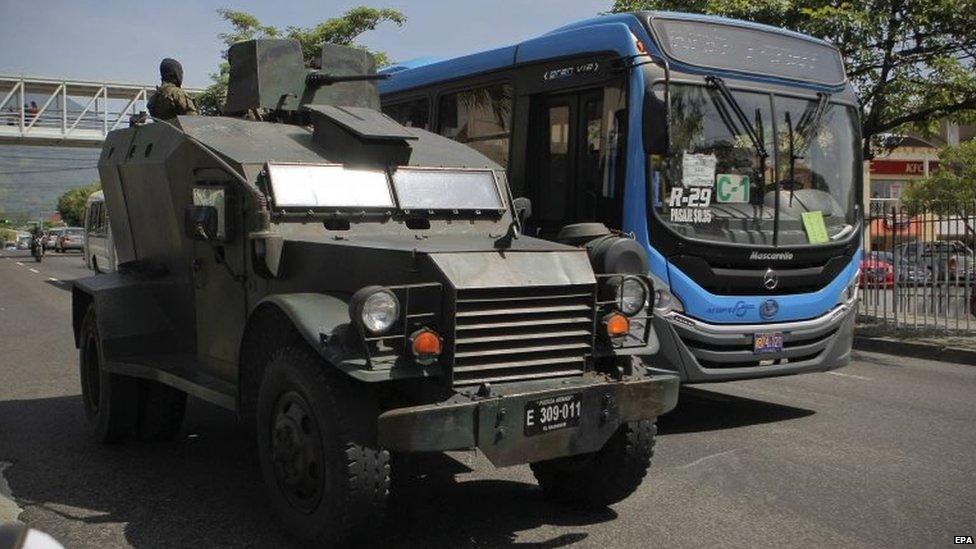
(124, 40)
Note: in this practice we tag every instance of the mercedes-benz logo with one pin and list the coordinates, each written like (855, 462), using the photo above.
(770, 279)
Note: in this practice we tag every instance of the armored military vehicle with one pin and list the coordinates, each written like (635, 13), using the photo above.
(353, 289)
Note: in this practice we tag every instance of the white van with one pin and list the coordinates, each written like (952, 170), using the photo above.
(99, 245)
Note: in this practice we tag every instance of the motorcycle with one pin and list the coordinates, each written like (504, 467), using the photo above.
(37, 250)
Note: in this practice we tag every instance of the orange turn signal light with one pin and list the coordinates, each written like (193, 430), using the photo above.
(426, 346)
(617, 325)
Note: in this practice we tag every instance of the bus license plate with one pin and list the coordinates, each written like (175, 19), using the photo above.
(771, 342)
(553, 413)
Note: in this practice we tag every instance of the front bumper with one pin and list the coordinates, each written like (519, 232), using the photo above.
(494, 424)
(701, 352)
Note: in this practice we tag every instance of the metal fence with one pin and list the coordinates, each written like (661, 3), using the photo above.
(919, 269)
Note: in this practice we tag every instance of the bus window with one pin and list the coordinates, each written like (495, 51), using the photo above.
(414, 113)
(480, 117)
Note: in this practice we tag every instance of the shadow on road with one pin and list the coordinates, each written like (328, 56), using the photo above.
(204, 489)
(700, 410)
(66, 286)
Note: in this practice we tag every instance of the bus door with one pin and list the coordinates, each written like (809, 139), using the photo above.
(573, 162)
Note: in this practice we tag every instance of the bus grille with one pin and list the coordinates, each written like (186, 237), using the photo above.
(735, 351)
(506, 334)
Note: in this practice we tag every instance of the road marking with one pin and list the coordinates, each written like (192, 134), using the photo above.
(54, 280)
(706, 458)
(9, 511)
(849, 375)
(34, 270)
(19, 263)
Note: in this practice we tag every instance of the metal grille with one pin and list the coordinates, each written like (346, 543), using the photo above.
(506, 334)
(735, 350)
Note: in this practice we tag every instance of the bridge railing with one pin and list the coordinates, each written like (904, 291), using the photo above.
(44, 111)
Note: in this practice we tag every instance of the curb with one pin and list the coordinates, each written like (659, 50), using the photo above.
(890, 346)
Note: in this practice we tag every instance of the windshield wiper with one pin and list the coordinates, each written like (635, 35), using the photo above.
(756, 136)
(741, 115)
(809, 122)
(793, 157)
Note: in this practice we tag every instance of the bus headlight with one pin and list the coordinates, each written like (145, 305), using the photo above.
(664, 300)
(376, 309)
(850, 292)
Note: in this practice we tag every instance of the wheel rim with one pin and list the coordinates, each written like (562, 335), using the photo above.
(296, 452)
(90, 379)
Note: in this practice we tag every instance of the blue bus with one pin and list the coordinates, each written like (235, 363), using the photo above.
(730, 150)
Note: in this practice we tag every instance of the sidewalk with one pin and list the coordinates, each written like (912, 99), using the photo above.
(879, 338)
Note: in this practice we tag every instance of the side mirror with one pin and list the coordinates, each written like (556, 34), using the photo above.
(656, 124)
(523, 208)
(200, 222)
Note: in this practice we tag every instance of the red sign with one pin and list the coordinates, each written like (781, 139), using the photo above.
(898, 167)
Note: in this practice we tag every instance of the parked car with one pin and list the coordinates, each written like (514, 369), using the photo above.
(23, 242)
(72, 238)
(904, 270)
(947, 259)
(99, 246)
(876, 272)
(50, 239)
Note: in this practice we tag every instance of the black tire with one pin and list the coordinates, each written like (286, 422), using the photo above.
(111, 401)
(161, 413)
(327, 479)
(604, 477)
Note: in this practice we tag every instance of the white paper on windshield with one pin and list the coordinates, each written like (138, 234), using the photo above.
(698, 170)
(331, 186)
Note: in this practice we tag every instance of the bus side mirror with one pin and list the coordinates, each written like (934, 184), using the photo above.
(200, 222)
(523, 208)
(655, 125)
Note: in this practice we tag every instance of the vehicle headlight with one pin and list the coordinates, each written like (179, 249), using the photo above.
(850, 292)
(632, 296)
(664, 300)
(375, 308)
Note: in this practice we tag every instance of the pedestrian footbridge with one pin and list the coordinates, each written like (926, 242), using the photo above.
(75, 113)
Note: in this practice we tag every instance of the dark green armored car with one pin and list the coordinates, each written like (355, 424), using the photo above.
(353, 289)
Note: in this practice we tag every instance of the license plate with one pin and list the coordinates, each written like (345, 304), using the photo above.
(767, 343)
(553, 413)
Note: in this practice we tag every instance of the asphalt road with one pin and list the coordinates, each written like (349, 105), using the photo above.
(879, 454)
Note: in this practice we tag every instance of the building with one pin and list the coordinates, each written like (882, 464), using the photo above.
(912, 160)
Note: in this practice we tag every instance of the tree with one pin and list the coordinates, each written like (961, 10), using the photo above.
(71, 205)
(953, 185)
(338, 30)
(911, 62)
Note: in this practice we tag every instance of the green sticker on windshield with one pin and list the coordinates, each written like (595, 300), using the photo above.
(813, 222)
(731, 188)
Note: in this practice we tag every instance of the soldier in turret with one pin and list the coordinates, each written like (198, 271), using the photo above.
(170, 99)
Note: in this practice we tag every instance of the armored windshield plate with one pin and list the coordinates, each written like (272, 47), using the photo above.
(328, 186)
(365, 123)
(447, 189)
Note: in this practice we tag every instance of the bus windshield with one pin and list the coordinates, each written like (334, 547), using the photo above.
(728, 156)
